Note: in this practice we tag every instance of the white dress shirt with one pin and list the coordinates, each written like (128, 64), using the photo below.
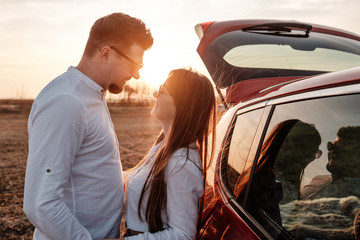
(184, 187)
(73, 183)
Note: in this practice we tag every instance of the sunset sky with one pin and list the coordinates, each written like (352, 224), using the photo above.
(40, 39)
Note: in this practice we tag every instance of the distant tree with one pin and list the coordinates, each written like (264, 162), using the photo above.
(135, 92)
(128, 91)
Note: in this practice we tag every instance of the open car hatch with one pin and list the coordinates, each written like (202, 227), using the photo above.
(272, 51)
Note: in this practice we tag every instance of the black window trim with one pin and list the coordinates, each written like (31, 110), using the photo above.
(258, 150)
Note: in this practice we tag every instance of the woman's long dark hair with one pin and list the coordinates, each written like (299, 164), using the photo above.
(195, 119)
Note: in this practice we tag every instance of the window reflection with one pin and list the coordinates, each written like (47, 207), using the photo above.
(320, 197)
(287, 150)
(294, 188)
(343, 165)
(240, 146)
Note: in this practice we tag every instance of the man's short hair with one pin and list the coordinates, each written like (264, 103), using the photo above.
(349, 133)
(118, 29)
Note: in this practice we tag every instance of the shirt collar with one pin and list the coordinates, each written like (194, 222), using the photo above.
(88, 81)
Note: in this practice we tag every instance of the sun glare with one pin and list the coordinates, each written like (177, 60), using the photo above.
(157, 66)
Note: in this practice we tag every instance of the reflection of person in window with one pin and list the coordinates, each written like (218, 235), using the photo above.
(344, 161)
(300, 147)
(265, 192)
(294, 138)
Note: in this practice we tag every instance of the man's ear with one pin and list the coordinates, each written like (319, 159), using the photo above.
(104, 53)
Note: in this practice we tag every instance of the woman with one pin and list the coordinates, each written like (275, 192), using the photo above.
(164, 190)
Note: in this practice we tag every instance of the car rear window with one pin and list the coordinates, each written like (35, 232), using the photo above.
(276, 56)
(239, 55)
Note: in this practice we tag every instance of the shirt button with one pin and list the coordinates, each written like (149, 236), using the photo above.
(48, 170)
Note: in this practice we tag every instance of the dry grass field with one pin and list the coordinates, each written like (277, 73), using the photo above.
(136, 131)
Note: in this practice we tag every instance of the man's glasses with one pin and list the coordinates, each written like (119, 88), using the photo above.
(162, 89)
(330, 146)
(138, 65)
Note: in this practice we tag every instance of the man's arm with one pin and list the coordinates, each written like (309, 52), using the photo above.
(56, 131)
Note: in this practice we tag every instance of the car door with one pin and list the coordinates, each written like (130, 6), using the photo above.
(221, 219)
(306, 180)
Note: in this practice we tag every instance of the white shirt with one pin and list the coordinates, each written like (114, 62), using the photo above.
(73, 184)
(184, 187)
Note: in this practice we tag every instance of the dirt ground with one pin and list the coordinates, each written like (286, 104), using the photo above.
(136, 131)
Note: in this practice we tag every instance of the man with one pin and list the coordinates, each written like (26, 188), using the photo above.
(343, 164)
(344, 153)
(73, 184)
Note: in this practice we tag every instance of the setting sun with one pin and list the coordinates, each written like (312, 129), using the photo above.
(156, 67)
(38, 47)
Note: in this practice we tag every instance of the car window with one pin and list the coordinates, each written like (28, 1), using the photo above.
(241, 55)
(239, 149)
(307, 178)
(288, 57)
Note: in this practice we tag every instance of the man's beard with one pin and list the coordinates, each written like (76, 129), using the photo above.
(115, 89)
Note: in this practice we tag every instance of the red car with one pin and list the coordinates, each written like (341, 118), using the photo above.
(287, 162)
